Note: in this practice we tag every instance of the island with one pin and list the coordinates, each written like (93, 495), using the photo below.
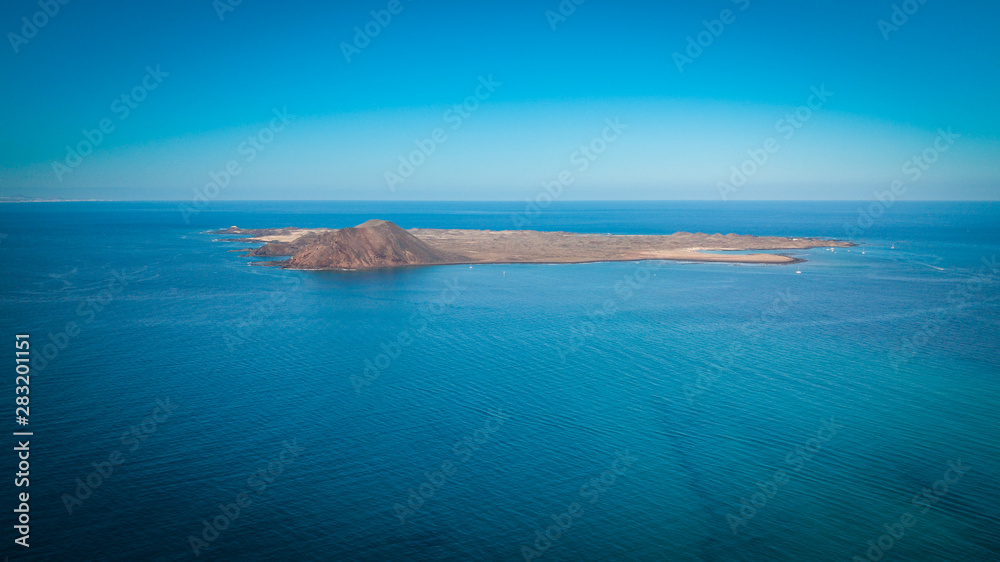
(381, 244)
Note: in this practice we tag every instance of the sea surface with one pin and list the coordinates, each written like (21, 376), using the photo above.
(847, 407)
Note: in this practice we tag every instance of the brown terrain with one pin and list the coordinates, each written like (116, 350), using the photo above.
(378, 243)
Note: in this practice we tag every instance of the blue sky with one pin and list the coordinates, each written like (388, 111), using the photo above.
(555, 81)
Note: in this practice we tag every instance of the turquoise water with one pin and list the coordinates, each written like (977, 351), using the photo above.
(506, 393)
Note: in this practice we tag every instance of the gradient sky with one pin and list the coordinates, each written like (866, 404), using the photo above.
(353, 120)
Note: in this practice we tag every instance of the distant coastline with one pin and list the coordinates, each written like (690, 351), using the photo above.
(43, 200)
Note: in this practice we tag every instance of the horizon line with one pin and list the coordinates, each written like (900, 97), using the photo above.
(44, 200)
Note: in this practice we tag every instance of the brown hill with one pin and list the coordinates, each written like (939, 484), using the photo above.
(375, 243)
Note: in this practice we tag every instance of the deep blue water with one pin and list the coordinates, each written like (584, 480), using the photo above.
(695, 382)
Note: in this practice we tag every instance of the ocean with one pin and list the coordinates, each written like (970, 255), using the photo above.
(185, 405)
